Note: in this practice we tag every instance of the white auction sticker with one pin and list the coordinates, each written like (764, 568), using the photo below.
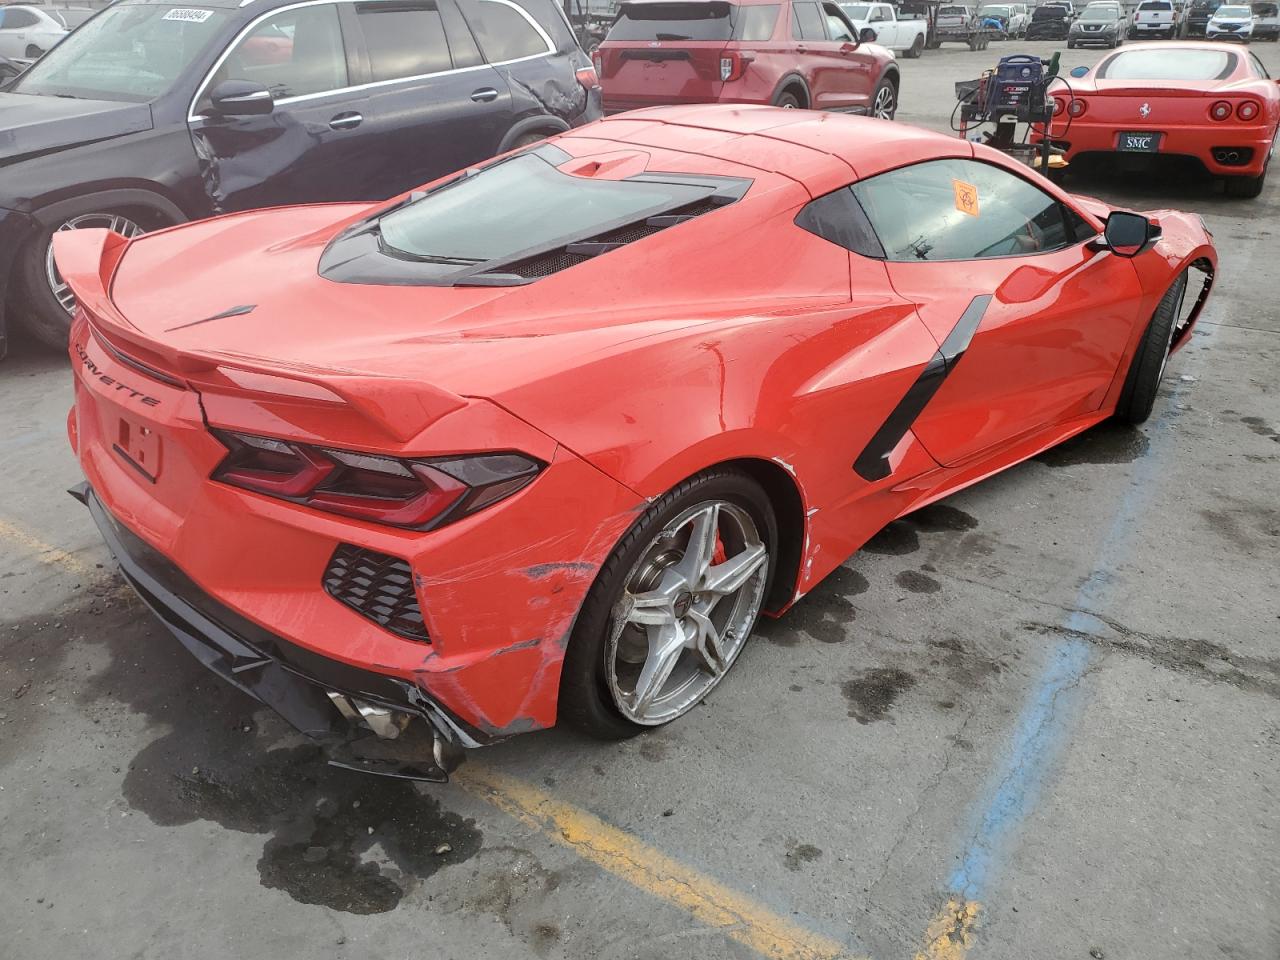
(188, 15)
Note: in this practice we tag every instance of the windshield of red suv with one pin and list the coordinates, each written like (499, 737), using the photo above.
(691, 20)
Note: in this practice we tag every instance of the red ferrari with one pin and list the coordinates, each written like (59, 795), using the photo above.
(543, 439)
(1211, 101)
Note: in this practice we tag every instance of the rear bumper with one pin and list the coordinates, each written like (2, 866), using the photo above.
(1047, 31)
(296, 683)
(1198, 141)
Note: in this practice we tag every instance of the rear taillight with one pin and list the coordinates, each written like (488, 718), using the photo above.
(1077, 107)
(589, 77)
(1220, 110)
(1056, 106)
(733, 66)
(416, 493)
(1247, 110)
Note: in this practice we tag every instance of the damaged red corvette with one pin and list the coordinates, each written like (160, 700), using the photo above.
(540, 441)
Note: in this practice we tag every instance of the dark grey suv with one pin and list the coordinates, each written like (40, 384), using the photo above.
(151, 114)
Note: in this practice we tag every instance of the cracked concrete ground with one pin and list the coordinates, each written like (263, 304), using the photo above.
(837, 778)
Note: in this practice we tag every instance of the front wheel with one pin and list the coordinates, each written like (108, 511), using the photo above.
(1147, 367)
(884, 102)
(49, 301)
(672, 607)
(916, 49)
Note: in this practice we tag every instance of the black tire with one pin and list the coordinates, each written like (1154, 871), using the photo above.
(585, 700)
(1143, 380)
(33, 52)
(787, 100)
(1070, 45)
(529, 139)
(1246, 188)
(916, 49)
(43, 316)
(884, 88)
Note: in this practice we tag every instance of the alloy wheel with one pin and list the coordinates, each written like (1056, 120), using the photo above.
(685, 613)
(883, 107)
(112, 221)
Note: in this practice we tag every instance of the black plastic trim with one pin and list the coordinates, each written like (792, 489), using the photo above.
(873, 462)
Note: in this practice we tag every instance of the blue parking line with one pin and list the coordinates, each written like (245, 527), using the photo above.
(1047, 718)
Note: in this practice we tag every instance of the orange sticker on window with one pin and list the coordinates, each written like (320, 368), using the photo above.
(966, 197)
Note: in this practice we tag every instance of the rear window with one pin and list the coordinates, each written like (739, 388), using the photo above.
(953, 11)
(713, 20)
(522, 204)
(1048, 13)
(1155, 5)
(1168, 65)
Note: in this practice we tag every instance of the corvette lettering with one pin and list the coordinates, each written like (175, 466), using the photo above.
(109, 381)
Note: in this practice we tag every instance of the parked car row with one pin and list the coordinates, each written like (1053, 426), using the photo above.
(28, 32)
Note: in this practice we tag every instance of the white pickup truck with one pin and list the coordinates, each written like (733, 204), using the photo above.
(904, 36)
(1155, 18)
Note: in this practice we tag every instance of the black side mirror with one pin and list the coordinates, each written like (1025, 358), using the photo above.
(241, 98)
(866, 35)
(1128, 234)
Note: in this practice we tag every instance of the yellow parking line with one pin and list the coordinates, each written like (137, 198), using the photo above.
(710, 902)
(45, 553)
(950, 933)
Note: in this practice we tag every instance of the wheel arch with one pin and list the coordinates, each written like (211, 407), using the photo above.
(132, 198)
(793, 82)
(540, 123)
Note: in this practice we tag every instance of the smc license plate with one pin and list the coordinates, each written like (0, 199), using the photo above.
(1140, 142)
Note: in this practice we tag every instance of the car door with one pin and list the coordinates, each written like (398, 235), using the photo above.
(841, 73)
(437, 106)
(311, 146)
(1031, 318)
(881, 21)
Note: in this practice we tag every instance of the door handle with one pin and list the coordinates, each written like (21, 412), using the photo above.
(801, 48)
(485, 95)
(345, 121)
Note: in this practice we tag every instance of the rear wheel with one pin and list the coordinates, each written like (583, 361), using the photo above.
(884, 102)
(1246, 187)
(1147, 368)
(33, 52)
(672, 607)
(787, 100)
(49, 301)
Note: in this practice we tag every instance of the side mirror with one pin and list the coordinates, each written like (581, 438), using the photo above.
(1128, 234)
(241, 98)
(866, 35)
(1079, 71)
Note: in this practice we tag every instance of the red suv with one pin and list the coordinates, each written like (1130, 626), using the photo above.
(790, 53)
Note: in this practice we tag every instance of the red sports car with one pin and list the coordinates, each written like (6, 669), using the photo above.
(543, 439)
(1211, 101)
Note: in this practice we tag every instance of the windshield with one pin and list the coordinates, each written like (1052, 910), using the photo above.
(859, 11)
(128, 52)
(1100, 13)
(522, 204)
(1234, 12)
(1168, 65)
(713, 20)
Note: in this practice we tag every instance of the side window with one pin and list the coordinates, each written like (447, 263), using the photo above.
(294, 53)
(20, 19)
(963, 210)
(807, 22)
(756, 22)
(403, 39)
(505, 31)
(878, 15)
(838, 30)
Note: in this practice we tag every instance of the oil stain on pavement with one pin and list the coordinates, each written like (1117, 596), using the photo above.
(873, 692)
(339, 839)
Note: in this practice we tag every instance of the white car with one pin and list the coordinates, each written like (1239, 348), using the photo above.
(29, 32)
(1234, 22)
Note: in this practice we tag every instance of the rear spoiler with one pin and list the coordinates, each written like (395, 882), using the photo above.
(397, 408)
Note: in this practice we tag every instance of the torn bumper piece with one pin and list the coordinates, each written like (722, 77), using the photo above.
(367, 721)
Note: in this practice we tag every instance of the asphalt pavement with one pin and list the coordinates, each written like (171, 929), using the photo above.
(1038, 720)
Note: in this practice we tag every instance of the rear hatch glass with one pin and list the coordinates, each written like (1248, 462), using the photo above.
(669, 52)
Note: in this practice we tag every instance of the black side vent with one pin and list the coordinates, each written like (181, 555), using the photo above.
(378, 586)
(570, 255)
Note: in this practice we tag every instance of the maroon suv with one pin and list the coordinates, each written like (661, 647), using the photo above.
(791, 53)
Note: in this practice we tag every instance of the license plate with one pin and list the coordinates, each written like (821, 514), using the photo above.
(1140, 142)
(139, 447)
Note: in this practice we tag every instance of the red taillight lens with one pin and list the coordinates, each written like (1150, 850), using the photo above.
(1247, 110)
(589, 77)
(1220, 110)
(1076, 108)
(419, 494)
(1056, 106)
